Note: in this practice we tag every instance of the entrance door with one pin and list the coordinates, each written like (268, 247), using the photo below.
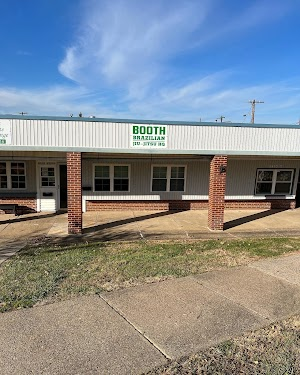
(47, 187)
(63, 196)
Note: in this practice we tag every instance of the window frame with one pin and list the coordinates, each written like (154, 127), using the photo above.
(4, 175)
(169, 168)
(48, 177)
(111, 177)
(9, 175)
(274, 181)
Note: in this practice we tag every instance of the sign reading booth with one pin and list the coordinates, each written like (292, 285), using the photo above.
(5, 132)
(148, 136)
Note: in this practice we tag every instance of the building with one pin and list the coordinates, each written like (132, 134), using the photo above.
(83, 164)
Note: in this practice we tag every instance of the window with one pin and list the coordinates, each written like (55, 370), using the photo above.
(102, 178)
(159, 180)
(3, 176)
(111, 178)
(168, 178)
(274, 181)
(47, 176)
(17, 175)
(121, 181)
(12, 175)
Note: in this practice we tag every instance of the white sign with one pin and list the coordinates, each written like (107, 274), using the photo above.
(5, 132)
(148, 136)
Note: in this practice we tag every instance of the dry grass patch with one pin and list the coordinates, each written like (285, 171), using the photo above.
(51, 272)
(274, 350)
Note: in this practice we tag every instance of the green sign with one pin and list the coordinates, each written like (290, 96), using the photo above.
(148, 136)
(5, 132)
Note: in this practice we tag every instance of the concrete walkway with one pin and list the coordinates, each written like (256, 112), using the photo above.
(16, 232)
(132, 330)
(133, 225)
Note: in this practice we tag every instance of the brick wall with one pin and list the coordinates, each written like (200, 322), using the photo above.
(74, 193)
(262, 204)
(26, 205)
(143, 205)
(217, 185)
(99, 205)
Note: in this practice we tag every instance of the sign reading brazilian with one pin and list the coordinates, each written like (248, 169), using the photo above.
(5, 132)
(148, 136)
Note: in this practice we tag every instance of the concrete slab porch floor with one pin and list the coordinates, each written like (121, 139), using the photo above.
(188, 224)
(133, 225)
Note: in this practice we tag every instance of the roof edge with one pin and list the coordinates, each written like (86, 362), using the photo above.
(150, 122)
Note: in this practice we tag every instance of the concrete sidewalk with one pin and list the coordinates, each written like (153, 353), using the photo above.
(132, 330)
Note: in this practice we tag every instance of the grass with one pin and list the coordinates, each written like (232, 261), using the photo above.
(273, 350)
(47, 273)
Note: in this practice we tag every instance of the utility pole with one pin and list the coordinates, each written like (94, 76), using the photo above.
(221, 118)
(253, 102)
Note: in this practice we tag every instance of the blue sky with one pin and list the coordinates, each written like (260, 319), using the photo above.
(164, 59)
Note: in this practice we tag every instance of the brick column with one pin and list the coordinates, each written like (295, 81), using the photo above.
(217, 185)
(74, 193)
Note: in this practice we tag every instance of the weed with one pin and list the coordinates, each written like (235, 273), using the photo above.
(57, 272)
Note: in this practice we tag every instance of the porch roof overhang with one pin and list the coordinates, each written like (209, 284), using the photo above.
(150, 151)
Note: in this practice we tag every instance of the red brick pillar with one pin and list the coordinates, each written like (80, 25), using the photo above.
(217, 185)
(74, 193)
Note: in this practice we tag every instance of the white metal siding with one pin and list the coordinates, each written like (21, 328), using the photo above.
(197, 178)
(240, 183)
(241, 175)
(101, 136)
(31, 176)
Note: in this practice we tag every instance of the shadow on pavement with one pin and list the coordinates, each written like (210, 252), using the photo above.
(29, 218)
(127, 221)
(248, 219)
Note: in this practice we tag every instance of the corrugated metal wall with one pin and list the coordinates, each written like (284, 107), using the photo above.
(52, 133)
(180, 138)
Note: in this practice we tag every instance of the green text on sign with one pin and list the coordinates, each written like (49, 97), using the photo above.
(149, 130)
(148, 136)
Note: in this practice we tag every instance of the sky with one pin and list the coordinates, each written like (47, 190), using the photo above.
(183, 60)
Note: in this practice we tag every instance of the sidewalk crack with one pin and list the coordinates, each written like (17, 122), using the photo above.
(152, 343)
